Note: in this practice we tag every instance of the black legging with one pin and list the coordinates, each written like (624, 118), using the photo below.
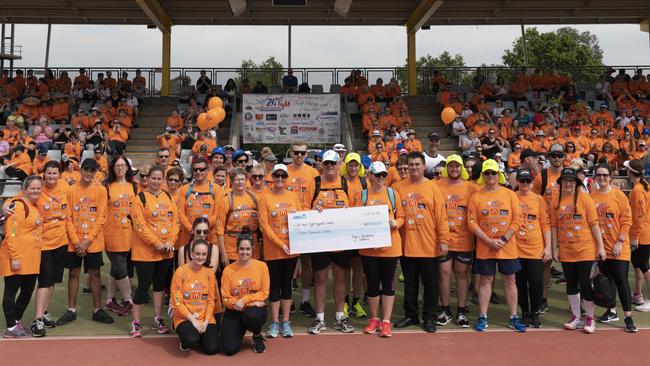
(641, 257)
(280, 278)
(191, 338)
(578, 279)
(379, 270)
(530, 279)
(13, 307)
(16, 173)
(616, 272)
(148, 273)
(236, 323)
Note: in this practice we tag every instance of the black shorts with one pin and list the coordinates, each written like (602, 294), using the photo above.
(90, 260)
(461, 257)
(52, 266)
(320, 261)
(488, 267)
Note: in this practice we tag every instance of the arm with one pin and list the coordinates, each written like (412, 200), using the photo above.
(177, 302)
(102, 199)
(266, 226)
(399, 212)
(69, 223)
(140, 227)
(13, 242)
(182, 217)
(639, 209)
(545, 224)
(226, 294)
(263, 293)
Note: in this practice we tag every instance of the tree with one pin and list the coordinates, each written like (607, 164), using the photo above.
(269, 72)
(567, 50)
(446, 63)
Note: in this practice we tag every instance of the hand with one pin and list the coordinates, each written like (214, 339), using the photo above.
(547, 255)
(259, 304)
(198, 325)
(618, 247)
(224, 260)
(556, 254)
(444, 249)
(601, 254)
(318, 208)
(634, 244)
(239, 305)
(81, 247)
(392, 223)
(205, 325)
(161, 247)
(495, 244)
(15, 265)
(8, 211)
(286, 250)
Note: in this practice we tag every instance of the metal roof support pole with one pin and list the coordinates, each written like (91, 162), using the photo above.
(47, 45)
(410, 63)
(523, 38)
(166, 62)
(289, 46)
(645, 27)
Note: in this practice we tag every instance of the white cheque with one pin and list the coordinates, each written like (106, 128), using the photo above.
(339, 229)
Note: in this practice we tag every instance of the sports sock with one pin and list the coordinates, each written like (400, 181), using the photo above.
(320, 316)
(339, 315)
(574, 302)
(74, 310)
(589, 308)
(305, 295)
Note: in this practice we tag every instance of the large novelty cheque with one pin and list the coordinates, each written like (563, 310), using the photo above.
(339, 229)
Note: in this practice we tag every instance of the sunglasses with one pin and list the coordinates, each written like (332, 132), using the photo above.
(257, 176)
(436, 174)
(329, 163)
(199, 170)
(173, 180)
(201, 232)
(601, 175)
(526, 181)
(490, 173)
(281, 176)
(241, 161)
(557, 155)
(299, 153)
(380, 175)
(143, 176)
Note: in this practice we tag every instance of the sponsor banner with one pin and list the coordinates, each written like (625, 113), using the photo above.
(283, 118)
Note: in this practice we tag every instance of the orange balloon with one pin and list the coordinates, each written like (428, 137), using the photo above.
(215, 102)
(217, 114)
(202, 121)
(448, 115)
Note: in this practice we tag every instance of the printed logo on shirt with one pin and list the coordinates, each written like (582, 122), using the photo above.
(503, 212)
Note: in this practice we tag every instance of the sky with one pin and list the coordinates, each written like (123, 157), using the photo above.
(312, 46)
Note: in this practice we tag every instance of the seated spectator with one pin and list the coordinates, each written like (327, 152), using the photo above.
(603, 90)
(458, 127)
(203, 83)
(493, 144)
(171, 140)
(230, 92)
(117, 138)
(501, 89)
(5, 148)
(438, 82)
(348, 90)
(289, 82)
(498, 109)
(412, 144)
(70, 174)
(124, 85)
(139, 85)
(38, 165)
(569, 98)
(304, 88)
(393, 89)
(96, 136)
(514, 159)
(375, 139)
(192, 111)
(73, 147)
(260, 88)
(379, 91)
(185, 91)
(20, 164)
(380, 154)
(43, 135)
(133, 102)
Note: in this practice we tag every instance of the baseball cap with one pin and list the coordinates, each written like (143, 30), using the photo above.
(570, 174)
(339, 147)
(524, 174)
(270, 157)
(90, 164)
(433, 136)
(646, 131)
(280, 167)
(556, 148)
(218, 150)
(604, 106)
(168, 129)
(228, 147)
(376, 133)
(492, 165)
(377, 167)
(331, 155)
(540, 133)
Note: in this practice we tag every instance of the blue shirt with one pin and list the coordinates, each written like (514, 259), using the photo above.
(290, 80)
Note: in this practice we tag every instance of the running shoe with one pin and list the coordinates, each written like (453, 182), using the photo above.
(574, 323)
(38, 328)
(274, 330)
(114, 306)
(443, 317)
(127, 307)
(136, 330)
(287, 332)
(293, 308)
(66, 318)
(525, 319)
(86, 291)
(608, 316)
(373, 326)
(645, 307)
(317, 327)
(494, 299)
(561, 281)
(543, 306)
(344, 325)
(101, 316)
(629, 325)
(385, 331)
(590, 325)
(482, 324)
(637, 299)
(160, 326)
(15, 333)
(183, 349)
(21, 325)
(515, 324)
(400, 278)
(47, 320)
(358, 310)
(535, 322)
(258, 344)
(307, 310)
(461, 320)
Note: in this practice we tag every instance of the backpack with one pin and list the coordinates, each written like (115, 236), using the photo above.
(143, 198)
(232, 204)
(133, 185)
(604, 295)
(391, 197)
(544, 174)
(344, 188)
(189, 191)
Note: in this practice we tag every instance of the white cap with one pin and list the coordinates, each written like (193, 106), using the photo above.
(376, 133)
(339, 148)
(282, 167)
(377, 167)
(331, 155)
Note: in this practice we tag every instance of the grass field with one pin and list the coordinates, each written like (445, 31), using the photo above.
(84, 326)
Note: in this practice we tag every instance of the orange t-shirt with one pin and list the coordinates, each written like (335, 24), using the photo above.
(22, 162)
(86, 216)
(202, 201)
(425, 218)
(495, 212)
(397, 214)
(573, 224)
(155, 222)
(194, 294)
(249, 283)
(273, 211)
(614, 218)
(118, 230)
(535, 220)
(354, 190)
(640, 203)
(210, 143)
(230, 222)
(52, 204)
(22, 241)
(301, 181)
(552, 187)
(456, 200)
(331, 195)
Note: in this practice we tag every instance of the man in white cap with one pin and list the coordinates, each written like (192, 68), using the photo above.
(341, 150)
(329, 192)
(431, 157)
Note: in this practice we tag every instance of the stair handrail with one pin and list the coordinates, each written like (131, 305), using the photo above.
(235, 124)
(347, 130)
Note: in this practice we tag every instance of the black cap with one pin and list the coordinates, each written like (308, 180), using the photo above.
(568, 173)
(524, 174)
(90, 163)
(526, 153)
(434, 136)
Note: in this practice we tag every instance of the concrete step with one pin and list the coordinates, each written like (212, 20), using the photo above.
(141, 158)
(158, 101)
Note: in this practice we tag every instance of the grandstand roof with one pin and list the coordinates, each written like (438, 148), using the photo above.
(321, 12)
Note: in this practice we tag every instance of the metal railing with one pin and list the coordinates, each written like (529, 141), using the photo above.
(6, 51)
(460, 77)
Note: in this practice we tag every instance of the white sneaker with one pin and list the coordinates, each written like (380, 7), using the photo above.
(590, 326)
(645, 307)
(574, 323)
(637, 299)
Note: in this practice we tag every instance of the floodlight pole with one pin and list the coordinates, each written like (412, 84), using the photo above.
(523, 38)
(47, 46)
(289, 43)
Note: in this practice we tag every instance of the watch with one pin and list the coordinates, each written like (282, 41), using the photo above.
(504, 239)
